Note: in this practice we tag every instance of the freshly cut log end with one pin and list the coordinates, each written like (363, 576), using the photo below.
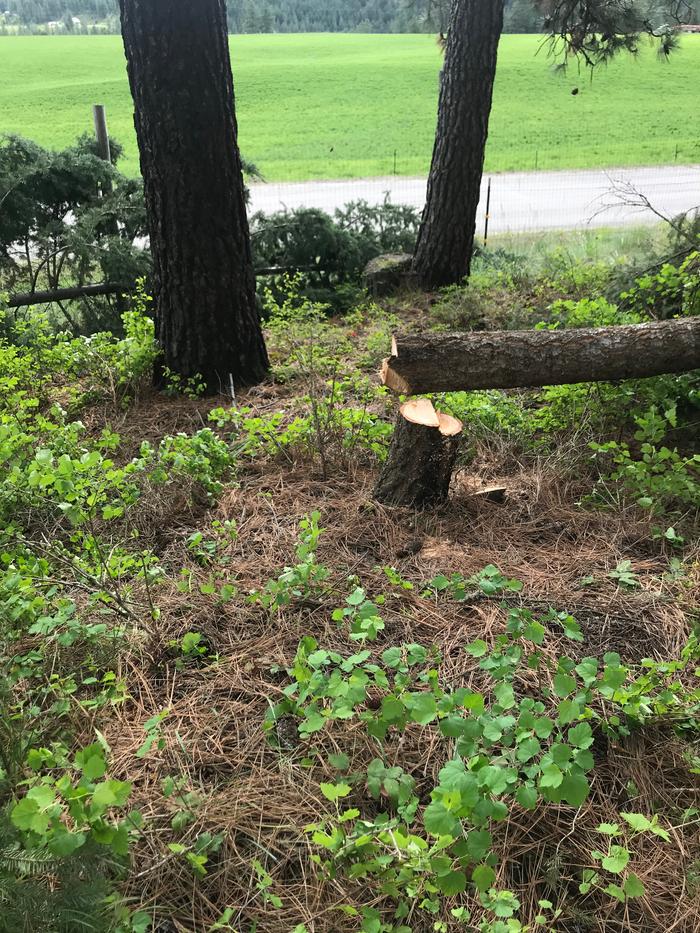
(391, 379)
(421, 458)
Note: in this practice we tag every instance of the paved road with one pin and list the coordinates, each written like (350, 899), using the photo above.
(520, 201)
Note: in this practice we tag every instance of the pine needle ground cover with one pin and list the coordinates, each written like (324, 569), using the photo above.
(243, 696)
(346, 106)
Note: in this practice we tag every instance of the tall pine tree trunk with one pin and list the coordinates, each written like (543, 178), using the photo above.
(446, 237)
(180, 76)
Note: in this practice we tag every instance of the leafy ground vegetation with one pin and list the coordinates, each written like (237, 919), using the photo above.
(356, 101)
(240, 695)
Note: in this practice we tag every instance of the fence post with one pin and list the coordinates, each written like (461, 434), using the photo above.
(394, 161)
(486, 217)
(101, 133)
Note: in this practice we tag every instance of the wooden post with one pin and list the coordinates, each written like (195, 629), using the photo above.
(101, 132)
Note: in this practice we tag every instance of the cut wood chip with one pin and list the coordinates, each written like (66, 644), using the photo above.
(492, 493)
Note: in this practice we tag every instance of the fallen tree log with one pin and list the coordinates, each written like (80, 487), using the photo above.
(421, 458)
(509, 359)
(65, 294)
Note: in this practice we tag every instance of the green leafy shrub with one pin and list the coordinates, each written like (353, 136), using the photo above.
(330, 252)
(658, 477)
(671, 291)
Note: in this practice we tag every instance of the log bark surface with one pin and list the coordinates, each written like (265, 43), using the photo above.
(421, 459)
(510, 359)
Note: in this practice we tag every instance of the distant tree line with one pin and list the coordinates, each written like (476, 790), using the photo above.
(260, 16)
(267, 16)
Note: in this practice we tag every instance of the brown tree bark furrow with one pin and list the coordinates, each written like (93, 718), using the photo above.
(421, 459)
(446, 238)
(509, 359)
(180, 77)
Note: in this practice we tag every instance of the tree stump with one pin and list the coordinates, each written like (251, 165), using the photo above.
(385, 274)
(421, 458)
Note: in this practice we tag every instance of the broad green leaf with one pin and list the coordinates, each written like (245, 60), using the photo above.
(27, 815)
(574, 788)
(641, 824)
(527, 749)
(479, 843)
(581, 735)
(587, 670)
(614, 890)
(64, 843)
(543, 727)
(422, 707)
(357, 597)
(534, 632)
(504, 696)
(94, 767)
(438, 820)
(568, 711)
(393, 709)
(561, 754)
(110, 794)
(334, 792)
(617, 859)
(339, 761)
(551, 776)
(564, 684)
(527, 796)
(493, 777)
(638, 822)
(391, 657)
(478, 648)
(43, 795)
(632, 885)
(483, 877)
(453, 882)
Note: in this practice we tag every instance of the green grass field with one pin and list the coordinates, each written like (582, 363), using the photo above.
(335, 106)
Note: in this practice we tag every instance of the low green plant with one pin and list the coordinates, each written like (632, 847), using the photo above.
(305, 578)
(61, 813)
(198, 853)
(191, 387)
(502, 747)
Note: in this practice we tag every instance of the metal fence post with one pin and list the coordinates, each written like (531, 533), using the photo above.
(488, 208)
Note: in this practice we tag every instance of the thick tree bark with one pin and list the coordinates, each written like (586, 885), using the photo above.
(446, 237)
(180, 76)
(508, 359)
(421, 458)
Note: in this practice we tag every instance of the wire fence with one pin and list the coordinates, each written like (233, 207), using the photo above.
(519, 201)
